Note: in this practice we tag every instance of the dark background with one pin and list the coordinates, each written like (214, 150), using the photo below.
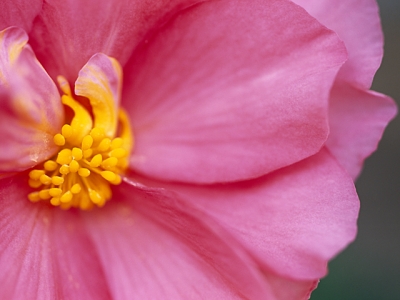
(369, 269)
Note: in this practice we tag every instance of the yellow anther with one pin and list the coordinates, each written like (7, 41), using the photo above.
(97, 134)
(66, 197)
(55, 201)
(44, 194)
(87, 153)
(117, 180)
(84, 172)
(108, 175)
(76, 188)
(74, 166)
(34, 183)
(109, 162)
(50, 165)
(59, 139)
(35, 174)
(64, 169)
(57, 180)
(118, 153)
(94, 146)
(45, 179)
(64, 156)
(85, 204)
(116, 143)
(96, 161)
(67, 131)
(34, 196)
(95, 197)
(104, 145)
(87, 142)
(55, 192)
(77, 153)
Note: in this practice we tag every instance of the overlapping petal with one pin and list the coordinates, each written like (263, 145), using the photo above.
(357, 23)
(19, 13)
(45, 254)
(68, 32)
(31, 111)
(153, 245)
(357, 120)
(214, 98)
(293, 220)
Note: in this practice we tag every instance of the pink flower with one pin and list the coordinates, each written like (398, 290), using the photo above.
(250, 120)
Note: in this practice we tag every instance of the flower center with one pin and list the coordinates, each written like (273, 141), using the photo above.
(88, 161)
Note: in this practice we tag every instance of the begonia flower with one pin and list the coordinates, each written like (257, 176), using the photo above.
(182, 149)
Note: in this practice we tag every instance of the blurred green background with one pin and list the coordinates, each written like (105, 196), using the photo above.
(370, 268)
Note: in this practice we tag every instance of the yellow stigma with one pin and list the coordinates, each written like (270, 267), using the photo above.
(88, 161)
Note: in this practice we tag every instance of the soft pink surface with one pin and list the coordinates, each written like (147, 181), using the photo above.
(357, 117)
(292, 220)
(357, 23)
(19, 13)
(224, 91)
(357, 121)
(45, 254)
(212, 98)
(30, 107)
(285, 288)
(68, 32)
(154, 246)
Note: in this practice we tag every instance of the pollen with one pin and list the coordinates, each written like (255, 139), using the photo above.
(88, 163)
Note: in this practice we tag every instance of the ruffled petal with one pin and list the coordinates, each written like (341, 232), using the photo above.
(357, 23)
(100, 80)
(293, 220)
(357, 120)
(68, 32)
(154, 246)
(231, 91)
(31, 110)
(45, 254)
(19, 13)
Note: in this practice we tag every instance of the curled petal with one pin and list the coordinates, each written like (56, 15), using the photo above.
(357, 23)
(100, 81)
(357, 120)
(31, 111)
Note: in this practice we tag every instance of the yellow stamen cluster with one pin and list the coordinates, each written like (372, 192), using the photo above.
(81, 173)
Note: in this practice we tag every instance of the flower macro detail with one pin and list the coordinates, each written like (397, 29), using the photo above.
(91, 156)
(250, 120)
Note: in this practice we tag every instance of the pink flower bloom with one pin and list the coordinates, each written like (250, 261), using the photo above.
(249, 119)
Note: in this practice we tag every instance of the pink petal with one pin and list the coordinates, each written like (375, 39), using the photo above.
(357, 23)
(45, 253)
(285, 288)
(19, 13)
(293, 220)
(31, 110)
(68, 32)
(357, 120)
(231, 91)
(154, 246)
(100, 80)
